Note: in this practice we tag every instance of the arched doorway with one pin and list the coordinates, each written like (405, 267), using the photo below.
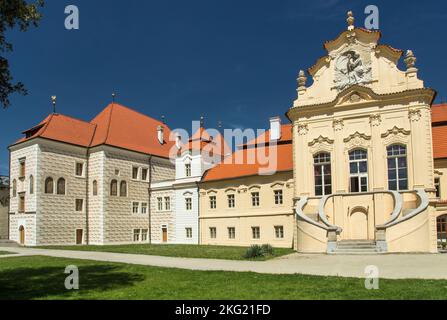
(22, 235)
(358, 224)
(441, 226)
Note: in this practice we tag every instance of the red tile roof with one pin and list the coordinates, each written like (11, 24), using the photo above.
(116, 126)
(439, 113)
(202, 140)
(251, 160)
(440, 142)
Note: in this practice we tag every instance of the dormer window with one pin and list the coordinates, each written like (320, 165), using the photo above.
(188, 169)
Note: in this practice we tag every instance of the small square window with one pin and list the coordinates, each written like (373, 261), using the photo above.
(136, 235)
(188, 203)
(189, 233)
(279, 197)
(188, 169)
(143, 207)
(167, 203)
(213, 233)
(144, 233)
(231, 233)
(135, 207)
(231, 201)
(213, 202)
(256, 232)
(279, 232)
(135, 173)
(255, 199)
(160, 203)
(79, 205)
(144, 174)
(79, 169)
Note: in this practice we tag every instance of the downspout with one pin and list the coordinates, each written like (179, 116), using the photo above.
(149, 205)
(87, 229)
(9, 196)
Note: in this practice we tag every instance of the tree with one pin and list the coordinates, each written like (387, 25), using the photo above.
(14, 13)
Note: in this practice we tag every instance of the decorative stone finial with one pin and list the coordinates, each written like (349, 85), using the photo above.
(302, 79)
(53, 101)
(202, 121)
(410, 60)
(350, 20)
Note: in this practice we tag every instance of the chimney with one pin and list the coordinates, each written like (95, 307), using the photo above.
(275, 128)
(178, 141)
(161, 134)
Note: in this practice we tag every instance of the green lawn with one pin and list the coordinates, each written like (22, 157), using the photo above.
(3, 253)
(184, 251)
(43, 278)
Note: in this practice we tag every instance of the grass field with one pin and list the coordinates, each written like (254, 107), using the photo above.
(43, 278)
(184, 251)
(3, 253)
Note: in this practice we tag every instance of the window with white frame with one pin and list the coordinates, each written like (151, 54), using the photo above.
(188, 204)
(167, 203)
(136, 235)
(256, 232)
(323, 174)
(160, 203)
(135, 207)
(255, 199)
(278, 197)
(144, 233)
(279, 232)
(144, 174)
(144, 207)
(438, 187)
(232, 233)
(213, 233)
(79, 169)
(213, 202)
(231, 201)
(135, 173)
(397, 167)
(188, 233)
(188, 169)
(358, 170)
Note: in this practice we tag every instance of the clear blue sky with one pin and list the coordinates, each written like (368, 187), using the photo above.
(235, 61)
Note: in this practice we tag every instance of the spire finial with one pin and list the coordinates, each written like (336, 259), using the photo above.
(163, 119)
(350, 20)
(113, 97)
(219, 124)
(302, 79)
(202, 121)
(53, 101)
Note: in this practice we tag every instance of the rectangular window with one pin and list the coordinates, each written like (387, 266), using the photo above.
(22, 163)
(188, 233)
(188, 169)
(167, 203)
(136, 235)
(135, 207)
(255, 199)
(231, 201)
(160, 203)
(256, 232)
(213, 233)
(135, 173)
(188, 203)
(231, 233)
(144, 233)
(79, 169)
(143, 207)
(213, 202)
(397, 167)
(279, 197)
(144, 174)
(279, 232)
(438, 187)
(21, 202)
(358, 169)
(79, 205)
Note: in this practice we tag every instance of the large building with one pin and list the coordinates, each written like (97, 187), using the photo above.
(4, 207)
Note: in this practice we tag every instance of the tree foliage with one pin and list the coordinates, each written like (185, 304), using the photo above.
(14, 13)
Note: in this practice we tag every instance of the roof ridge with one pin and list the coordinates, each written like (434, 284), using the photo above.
(46, 124)
(138, 112)
(109, 123)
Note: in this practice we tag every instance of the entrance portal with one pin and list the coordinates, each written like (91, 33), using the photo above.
(22, 235)
(358, 224)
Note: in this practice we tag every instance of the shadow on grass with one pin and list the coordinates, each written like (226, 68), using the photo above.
(40, 283)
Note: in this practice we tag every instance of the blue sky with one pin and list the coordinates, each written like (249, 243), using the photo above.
(235, 61)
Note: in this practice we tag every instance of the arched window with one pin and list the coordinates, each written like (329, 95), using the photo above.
(397, 167)
(95, 188)
(441, 223)
(31, 184)
(322, 174)
(61, 186)
(114, 188)
(358, 170)
(14, 188)
(49, 187)
(123, 189)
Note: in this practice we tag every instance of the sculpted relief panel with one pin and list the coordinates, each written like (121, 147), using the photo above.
(350, 69)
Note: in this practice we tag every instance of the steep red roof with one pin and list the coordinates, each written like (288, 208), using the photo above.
(116, 126)
(203, 140)
(439, 113)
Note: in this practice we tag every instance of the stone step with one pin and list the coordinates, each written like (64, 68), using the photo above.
(8, 243)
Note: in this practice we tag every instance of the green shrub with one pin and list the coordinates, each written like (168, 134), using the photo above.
(254, 251)
(267, 250)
